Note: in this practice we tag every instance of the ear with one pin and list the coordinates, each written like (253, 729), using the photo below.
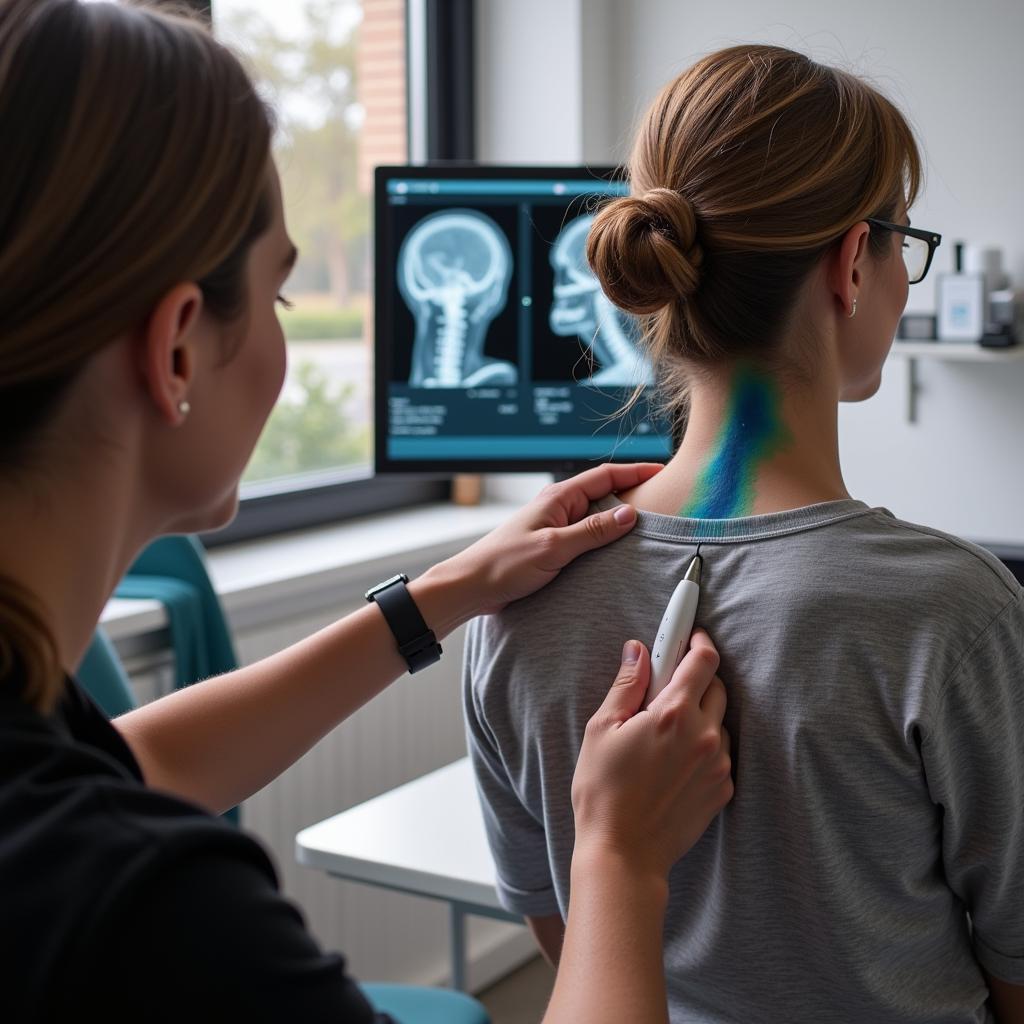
(848, 266)
(168, 350)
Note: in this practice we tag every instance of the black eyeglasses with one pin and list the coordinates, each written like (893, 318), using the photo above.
(918, 247)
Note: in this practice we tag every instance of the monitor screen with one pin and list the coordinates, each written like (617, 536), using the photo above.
(495, 347)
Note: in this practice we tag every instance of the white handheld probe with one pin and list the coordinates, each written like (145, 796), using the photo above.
(673, 638)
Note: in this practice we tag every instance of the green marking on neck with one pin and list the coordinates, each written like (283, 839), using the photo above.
(752, 432)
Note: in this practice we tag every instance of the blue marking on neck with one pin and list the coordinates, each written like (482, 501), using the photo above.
(726, 485)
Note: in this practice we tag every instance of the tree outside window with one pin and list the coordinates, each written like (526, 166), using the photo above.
(334, 71)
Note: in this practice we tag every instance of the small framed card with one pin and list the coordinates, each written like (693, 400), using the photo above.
(961, 300)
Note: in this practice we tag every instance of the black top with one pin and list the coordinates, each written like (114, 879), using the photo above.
(121, 903)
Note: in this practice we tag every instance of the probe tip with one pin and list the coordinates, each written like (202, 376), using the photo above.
(693, 571)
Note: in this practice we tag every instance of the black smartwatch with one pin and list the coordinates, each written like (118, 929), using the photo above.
(416, 643)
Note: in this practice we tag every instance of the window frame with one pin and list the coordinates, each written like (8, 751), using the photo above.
(443, 33)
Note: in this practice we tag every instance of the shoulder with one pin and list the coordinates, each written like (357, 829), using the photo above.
(953, 601)
(951, 553)
(83, 842)
(201, 920)
(940, 570)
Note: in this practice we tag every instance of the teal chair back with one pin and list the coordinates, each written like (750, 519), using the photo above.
(171, 570)
(411, 1004)
(104, 678)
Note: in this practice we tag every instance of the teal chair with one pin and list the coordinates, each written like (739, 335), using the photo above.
(104, 678)
(171, 570)
(410, 1004)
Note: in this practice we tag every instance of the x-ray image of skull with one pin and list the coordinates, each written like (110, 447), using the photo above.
(581, 308)
(454, 269)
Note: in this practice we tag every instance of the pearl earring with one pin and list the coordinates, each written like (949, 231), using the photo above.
(184, 408)
(853, 311)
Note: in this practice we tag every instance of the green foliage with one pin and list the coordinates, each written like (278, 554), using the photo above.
(310, 434)
(321, 324)
(311, 81)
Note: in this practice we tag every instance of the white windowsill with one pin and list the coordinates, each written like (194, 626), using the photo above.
(290, 575)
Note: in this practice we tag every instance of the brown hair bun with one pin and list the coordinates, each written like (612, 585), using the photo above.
(644, 250)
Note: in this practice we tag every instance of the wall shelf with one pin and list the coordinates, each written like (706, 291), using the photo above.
(965, 352)
(957, 350)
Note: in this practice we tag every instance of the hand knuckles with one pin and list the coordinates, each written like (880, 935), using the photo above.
(723, 769)
(709, 743)
(707, 658)
(547, 540)
(626, 676)
(594, 526)
(669, 716)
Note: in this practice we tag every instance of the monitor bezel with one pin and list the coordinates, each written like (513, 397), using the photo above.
(383, 463)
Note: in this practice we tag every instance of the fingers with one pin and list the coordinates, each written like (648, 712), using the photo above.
(694, 673)
(713, 703)
(579, 491)
(701, 641)
(594, 531)
(627, 691)
(728, 787)
(601, 480)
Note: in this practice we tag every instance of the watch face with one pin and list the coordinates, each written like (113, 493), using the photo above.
(400, 578)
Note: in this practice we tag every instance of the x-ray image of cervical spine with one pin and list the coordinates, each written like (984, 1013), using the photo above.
(454, 269)
(581, 308)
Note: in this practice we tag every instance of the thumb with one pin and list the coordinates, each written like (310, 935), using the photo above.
(597, 530)
(627, 693)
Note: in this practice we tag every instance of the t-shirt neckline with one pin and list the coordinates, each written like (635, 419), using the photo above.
(744, 528)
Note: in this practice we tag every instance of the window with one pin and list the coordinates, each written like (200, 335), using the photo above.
(335, 72)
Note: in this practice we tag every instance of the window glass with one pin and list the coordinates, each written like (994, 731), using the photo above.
(335, 73)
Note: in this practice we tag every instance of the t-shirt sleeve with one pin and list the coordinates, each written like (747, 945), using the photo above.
(208, 937)
(974, 761)
(516, 837)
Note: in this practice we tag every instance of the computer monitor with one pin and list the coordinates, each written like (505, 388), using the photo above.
(496, 350)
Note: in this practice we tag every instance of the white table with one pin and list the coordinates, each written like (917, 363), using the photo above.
(425, 838)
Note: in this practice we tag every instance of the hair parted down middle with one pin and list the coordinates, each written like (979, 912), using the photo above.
(745, 169)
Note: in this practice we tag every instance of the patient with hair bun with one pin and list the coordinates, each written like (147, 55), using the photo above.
(870, 867)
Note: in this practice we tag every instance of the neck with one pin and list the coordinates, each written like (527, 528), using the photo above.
(751, 447)
(68, 538)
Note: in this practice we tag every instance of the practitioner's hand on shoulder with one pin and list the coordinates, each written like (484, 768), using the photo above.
(648, 783)
(528, 551)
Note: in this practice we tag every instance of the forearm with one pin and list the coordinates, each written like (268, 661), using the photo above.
(222, 740)
(611, 968)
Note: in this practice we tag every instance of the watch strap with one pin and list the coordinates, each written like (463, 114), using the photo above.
(416, 641)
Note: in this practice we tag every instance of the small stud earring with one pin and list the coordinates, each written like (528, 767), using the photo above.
(853, 311)
(184, 408)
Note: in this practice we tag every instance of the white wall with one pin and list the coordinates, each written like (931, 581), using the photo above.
(957, 69)
(529, 80)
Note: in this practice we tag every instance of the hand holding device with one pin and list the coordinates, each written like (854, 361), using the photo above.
(647, 785)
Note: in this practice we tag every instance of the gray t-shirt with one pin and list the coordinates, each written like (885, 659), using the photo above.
(876, 708)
